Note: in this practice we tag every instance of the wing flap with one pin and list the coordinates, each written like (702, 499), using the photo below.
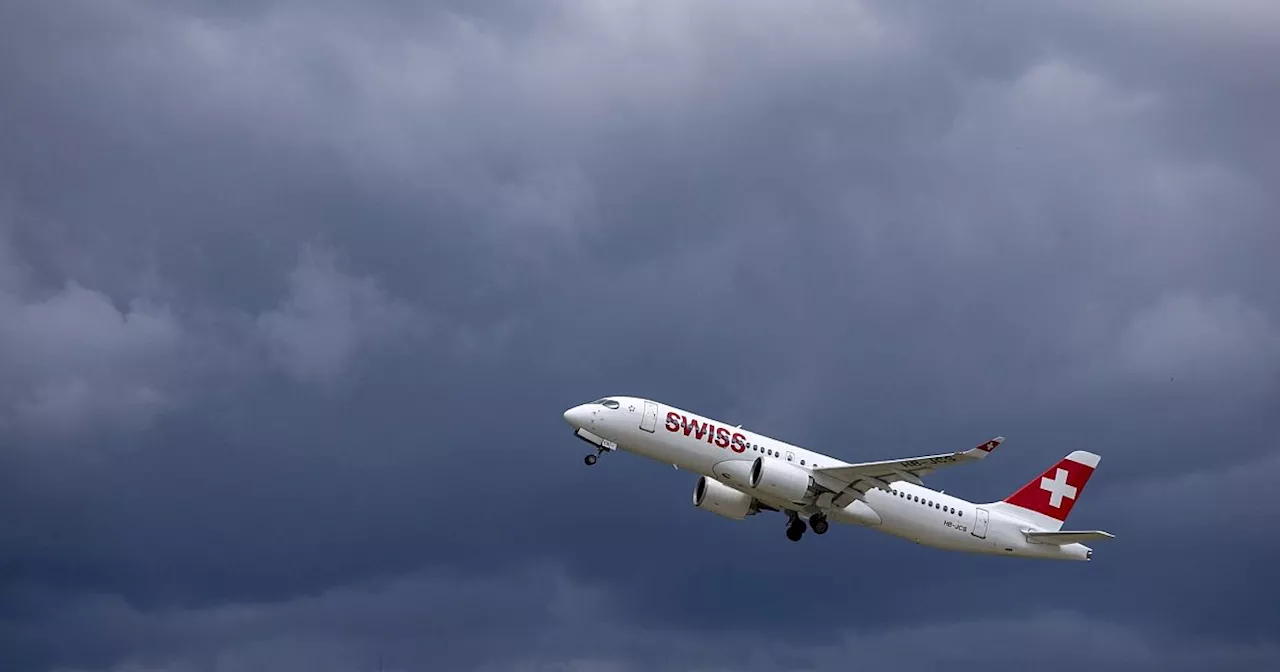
(1064, 537)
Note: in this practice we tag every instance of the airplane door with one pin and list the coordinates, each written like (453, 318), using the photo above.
(980, 525)
(649, 421)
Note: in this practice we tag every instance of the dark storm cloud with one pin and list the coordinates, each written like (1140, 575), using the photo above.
(558, 623)
(292, 296)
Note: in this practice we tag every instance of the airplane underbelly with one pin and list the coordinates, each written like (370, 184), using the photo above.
(921, 529)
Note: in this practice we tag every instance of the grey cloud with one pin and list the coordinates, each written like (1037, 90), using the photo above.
(109, 381)
(870, 228)
(73, 359)
(562, 624)
(1220, 337)
(1218, 498)
(328, 318)
(76, 359)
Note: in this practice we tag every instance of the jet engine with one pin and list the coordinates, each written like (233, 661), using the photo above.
(716, 497)
(779, 479)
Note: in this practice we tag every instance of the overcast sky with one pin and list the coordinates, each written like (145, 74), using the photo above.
(293, 295)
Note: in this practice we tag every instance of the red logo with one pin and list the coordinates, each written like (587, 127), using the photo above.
(1054, 492)
(716, 436)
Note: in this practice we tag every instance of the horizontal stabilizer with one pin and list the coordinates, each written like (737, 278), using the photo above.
(1062, 538)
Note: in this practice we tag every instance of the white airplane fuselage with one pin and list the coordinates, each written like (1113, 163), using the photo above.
(725, 454)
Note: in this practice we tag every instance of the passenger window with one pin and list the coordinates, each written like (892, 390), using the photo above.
(962, 514)
(802, 463)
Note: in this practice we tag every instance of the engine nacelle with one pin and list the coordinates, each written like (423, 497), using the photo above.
(716, 497)
(778, 479)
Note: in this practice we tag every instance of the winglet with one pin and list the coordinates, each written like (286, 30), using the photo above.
(982, 450)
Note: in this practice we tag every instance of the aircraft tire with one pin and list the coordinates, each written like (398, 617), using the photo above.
(795, 528)
(819, 524)
(590, 459)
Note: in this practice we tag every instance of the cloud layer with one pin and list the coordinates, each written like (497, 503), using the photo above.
(292, 297)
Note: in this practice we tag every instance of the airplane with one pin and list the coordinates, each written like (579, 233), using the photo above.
(742, 473)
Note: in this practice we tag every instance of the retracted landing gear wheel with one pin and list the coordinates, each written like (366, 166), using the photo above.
(818, 523)
(590, 459)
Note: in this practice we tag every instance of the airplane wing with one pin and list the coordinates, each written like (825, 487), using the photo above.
(852, 481)
(1062, 538)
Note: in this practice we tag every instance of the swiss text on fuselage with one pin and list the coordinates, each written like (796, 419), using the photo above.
(722, 437)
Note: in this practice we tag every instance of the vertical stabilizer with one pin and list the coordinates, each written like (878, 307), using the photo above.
(1047, 500)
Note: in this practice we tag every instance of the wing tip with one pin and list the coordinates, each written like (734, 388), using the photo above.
(990, 445)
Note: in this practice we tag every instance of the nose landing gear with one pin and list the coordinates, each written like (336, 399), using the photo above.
(590, 459)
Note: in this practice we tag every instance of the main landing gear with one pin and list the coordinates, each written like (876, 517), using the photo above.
(796, 526)
(795, 529)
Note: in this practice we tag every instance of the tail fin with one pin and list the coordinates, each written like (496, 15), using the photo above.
(1048, 499)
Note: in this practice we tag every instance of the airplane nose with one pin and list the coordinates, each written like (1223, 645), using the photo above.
(576, 416)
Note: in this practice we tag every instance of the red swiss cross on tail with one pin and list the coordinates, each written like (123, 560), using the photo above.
(1055, 491)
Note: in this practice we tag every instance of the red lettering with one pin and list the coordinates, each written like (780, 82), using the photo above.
(719, 436)
(692, 426)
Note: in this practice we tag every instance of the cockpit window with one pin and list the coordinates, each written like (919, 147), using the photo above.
(608, 403)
